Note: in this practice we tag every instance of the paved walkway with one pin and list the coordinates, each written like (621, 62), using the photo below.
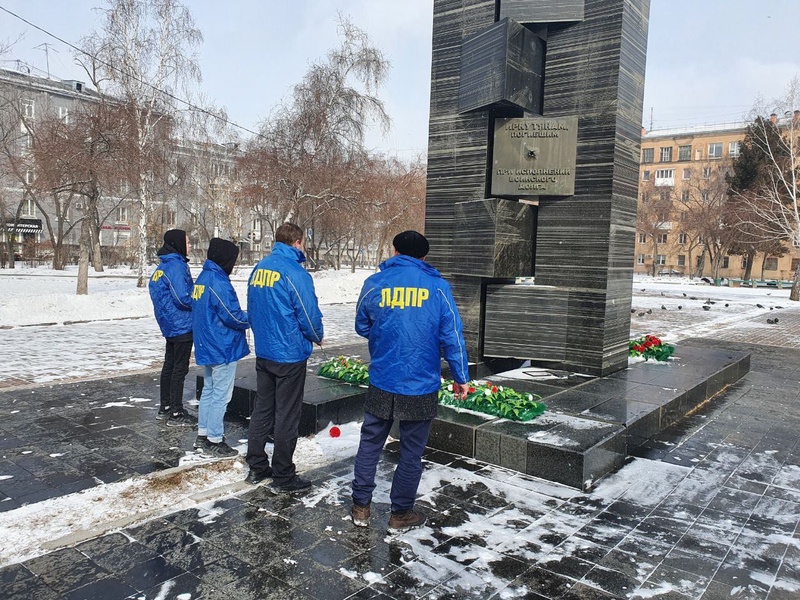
(710, 509)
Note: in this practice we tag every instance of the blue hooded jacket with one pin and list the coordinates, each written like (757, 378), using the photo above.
(170, 290)
(219, 321)
(283, 307)
(408, 314)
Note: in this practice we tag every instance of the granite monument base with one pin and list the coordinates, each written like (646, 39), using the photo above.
(591, 425)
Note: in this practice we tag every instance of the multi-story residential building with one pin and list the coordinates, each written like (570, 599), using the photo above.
(681, 187)
(196, 196)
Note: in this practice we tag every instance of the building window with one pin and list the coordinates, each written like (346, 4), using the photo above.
(63, 114)
(682, 238)
(715, 150)
(706, 172)
(684, 196)
(662, 238)
(171, 217)
(647, 155)
(29, 177)
(725, 261)
(122, 214)
(681, 260)
(704, 197)
(687, 174)
(646, 176)
(29, 209)
(744, 262)
(640, 259)
(734, 149)
(661, 259)
(684, 153)
(666, 154)
(684, 216)
(28, 109)
(645, 197)
(771, 264)
(665, 177)
(642, 238)
(795, 263)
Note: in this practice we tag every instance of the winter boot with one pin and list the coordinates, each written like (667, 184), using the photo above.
(360, 515)
(181, 418)
(405, 519)
(219, 450)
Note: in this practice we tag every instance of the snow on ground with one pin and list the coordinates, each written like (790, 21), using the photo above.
(122, 335)
(33, 296)
(32, 529)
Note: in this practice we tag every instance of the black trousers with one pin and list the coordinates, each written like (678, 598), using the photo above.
(173, 374)
(279, 400)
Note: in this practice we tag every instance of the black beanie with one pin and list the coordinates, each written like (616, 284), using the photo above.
(224, 253)
(174, 242)
(411, 243)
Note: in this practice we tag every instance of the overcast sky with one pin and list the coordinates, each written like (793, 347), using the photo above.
(708, 60)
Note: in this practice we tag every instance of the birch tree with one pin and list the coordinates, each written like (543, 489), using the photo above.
(772, 197)
(144, 55)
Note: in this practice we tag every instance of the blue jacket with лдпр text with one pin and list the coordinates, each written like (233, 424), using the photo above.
(219, 321)
(282, 306)
(170, 290)
(408, 314)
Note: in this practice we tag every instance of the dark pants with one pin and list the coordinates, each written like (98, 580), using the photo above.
(279, 400)
(173, 374)
(413, 438)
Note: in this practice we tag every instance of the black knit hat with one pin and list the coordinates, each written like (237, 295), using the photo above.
(174, 242)
(411, 243)
(224, 253)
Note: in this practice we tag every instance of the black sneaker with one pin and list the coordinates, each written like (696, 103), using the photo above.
(200, 442)
(218, 450)
(295, 484)
(405, 520)
(162, 415)
(255, 477)
(181, 419)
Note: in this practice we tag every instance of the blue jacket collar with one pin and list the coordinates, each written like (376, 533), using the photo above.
(172, 256)
(210, 265)
(290, 252)
(401, 260)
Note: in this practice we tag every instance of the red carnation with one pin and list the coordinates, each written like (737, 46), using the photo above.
(494, 389)
(335, 432)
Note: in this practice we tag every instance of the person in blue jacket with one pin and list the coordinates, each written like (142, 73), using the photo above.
(170, 290)
(286, 321)
(408, 314)
(219, 342)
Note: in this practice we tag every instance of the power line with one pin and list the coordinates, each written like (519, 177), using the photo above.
(151, 86)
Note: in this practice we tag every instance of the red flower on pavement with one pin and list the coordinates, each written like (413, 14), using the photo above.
(335, 432)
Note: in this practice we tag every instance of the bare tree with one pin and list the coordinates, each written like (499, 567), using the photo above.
(654, 216)
(314, 147)
(144, 55)
(773, 199)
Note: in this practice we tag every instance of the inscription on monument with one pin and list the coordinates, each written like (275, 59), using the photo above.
(534, 157)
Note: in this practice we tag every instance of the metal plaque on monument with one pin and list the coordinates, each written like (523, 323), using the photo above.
(534, 157)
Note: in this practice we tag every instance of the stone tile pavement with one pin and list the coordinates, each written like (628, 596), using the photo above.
(709, 509)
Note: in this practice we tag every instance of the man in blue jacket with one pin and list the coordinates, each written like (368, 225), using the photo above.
(408, 314)
(286, 320)
(171, 292)
(219, 342)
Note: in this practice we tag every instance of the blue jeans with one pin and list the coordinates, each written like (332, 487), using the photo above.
(413, 438)
(217, 392)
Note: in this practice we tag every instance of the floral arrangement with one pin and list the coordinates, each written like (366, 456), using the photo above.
(345, 369)
(490, 399)
(649, 347)
(483, 396)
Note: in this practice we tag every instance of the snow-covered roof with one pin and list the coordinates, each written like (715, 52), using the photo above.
(697, 129)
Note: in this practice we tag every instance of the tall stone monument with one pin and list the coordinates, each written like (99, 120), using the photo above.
(533, 156)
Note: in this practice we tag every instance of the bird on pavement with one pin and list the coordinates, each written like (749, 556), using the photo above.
(706, 307)
(760, 305)
(663, 307)
(641, 314)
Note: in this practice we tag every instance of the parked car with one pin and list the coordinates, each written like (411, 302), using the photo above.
(669, 272)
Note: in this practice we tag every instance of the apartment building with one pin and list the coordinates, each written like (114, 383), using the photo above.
(681, 172)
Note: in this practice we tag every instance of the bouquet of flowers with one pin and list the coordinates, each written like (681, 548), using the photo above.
(483, 396)
(490, 399)
(649, 347)
(346, 369)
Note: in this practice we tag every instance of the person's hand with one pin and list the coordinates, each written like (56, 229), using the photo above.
(460, 390)
(319, 343)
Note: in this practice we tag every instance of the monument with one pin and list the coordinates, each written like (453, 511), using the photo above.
(533, 156)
